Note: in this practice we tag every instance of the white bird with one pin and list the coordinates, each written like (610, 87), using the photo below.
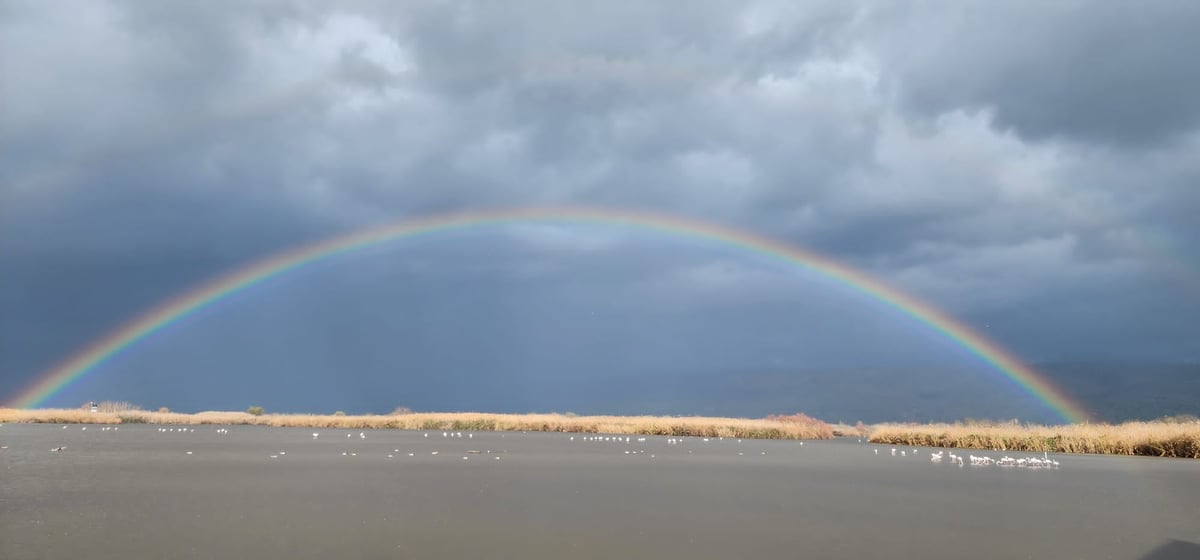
(876, 451)
(893, 452)
(362, 435)
(316, 435)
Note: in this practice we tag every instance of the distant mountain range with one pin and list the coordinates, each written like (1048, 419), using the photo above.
(1111, 392)
(1116, 392)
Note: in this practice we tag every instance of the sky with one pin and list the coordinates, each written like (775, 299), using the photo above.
(1029, 169)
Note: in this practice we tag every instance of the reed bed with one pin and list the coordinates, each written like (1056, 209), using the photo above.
(786, 428)
(1158, 439)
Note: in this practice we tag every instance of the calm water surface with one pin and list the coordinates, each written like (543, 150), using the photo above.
(137, 493)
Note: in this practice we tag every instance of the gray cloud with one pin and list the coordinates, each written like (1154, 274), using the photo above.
(1084, 71)
(1029, 168)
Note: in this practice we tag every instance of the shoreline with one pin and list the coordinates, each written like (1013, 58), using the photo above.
(1148, 439)
(1152, 439)
(686, 426)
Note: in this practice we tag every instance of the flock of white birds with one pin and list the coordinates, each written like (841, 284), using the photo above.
(1031, 462)
(1028, 462)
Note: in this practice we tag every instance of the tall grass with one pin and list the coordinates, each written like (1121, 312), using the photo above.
(457, 421)
(1158, 439)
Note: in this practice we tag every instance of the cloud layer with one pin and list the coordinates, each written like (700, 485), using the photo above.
(1030, 169)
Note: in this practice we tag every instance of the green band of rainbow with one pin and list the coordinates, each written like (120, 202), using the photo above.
(49, 383)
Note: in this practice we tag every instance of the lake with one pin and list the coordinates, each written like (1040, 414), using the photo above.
(260, 492)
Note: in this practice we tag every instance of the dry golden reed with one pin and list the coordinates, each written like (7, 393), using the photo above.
(1158, 439)
(475, 421)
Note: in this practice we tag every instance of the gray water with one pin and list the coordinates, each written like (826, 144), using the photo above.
(137, 493)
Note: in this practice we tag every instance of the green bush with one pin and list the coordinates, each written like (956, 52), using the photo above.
(340, 413)
(255, 410)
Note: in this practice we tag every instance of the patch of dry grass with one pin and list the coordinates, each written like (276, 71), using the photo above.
(1159, 439)
(475, 421)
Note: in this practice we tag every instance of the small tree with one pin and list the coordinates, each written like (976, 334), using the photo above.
(401, 411)
(255, 410)
(340, 413)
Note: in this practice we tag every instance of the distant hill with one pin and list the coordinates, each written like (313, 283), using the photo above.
(1111, 392)
(1116, 392)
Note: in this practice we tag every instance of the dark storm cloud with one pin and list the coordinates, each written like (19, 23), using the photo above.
(1016, 165)
(1087, 71)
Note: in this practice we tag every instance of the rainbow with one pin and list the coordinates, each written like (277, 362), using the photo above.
(165, 314)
